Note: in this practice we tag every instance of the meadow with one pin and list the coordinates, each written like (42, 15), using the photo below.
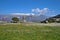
(26, 31)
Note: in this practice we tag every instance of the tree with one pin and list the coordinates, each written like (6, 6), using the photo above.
(15, 19)
(51, 20)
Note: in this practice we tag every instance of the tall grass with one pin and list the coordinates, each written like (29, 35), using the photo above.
(29, 32)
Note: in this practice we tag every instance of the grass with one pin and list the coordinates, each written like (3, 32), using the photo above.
(29, 32)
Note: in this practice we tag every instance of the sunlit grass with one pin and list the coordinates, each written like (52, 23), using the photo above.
(29, 32)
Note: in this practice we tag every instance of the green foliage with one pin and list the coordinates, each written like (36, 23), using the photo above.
(15, 19)
(51, 20)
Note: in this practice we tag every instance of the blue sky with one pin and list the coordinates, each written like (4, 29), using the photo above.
(26, 6)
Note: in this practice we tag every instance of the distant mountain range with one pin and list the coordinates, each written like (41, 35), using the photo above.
(27, 18)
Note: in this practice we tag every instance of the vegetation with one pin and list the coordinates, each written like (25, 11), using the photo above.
(29, 32)
(15, 19)
(51, 20)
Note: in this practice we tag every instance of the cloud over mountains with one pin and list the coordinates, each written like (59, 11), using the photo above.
(40, 11)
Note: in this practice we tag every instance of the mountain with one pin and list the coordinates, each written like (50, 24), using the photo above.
(39, 18)
(57, 16)
(54, 19)
(27, 18)
(35, 18)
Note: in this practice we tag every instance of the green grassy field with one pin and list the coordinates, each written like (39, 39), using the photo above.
(29, 32)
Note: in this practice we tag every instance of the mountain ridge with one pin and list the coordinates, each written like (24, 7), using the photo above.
(28, 18)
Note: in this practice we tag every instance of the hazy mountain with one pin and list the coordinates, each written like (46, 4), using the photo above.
(39, 18)
(27, 18)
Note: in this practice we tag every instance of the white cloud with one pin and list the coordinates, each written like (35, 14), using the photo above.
(33, 10)
(45, 10)
(27, 14)
(37, 10)
(40, 11)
